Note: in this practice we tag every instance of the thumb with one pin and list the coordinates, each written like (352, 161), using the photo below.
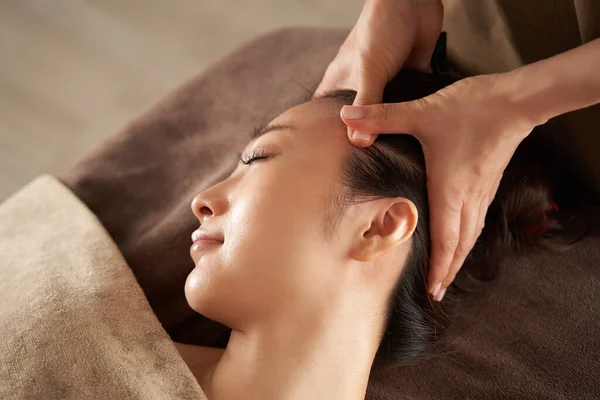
(403, 117)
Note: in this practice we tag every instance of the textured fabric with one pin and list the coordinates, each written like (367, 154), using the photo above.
(74, 323)
(533, 335)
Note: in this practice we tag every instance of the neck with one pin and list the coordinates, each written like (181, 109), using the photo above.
(324, 351)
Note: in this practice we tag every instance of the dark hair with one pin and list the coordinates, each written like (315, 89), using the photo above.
(394, 166)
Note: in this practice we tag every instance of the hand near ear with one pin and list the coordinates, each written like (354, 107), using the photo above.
(469, 132)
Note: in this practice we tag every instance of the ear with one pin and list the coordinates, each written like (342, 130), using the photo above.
(385, 224)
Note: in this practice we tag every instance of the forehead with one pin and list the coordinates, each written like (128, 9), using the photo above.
(318, 122)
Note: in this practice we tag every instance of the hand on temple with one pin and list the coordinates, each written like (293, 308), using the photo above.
(469, 132)
(389, 35)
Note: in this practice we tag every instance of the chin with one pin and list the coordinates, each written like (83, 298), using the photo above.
(195, 289)
(202, 296)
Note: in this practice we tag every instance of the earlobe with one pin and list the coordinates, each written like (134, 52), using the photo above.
(391, 223)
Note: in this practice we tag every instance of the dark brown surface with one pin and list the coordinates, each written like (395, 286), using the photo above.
(532, 335)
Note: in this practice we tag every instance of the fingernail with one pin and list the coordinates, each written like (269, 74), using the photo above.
(353, 112)
(441, 295)
(436, 289)
(361, 136)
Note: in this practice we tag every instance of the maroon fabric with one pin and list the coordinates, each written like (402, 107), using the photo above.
(532, 335)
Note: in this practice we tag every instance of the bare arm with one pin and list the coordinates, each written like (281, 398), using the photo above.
(559, 84)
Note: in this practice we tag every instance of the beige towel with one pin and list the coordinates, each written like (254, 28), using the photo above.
(74, 323)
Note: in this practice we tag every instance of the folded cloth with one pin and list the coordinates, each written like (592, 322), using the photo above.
(74, 323)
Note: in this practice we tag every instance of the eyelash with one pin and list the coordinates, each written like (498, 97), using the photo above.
(257, 154)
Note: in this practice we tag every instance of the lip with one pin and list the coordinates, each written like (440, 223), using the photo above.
(203, 241)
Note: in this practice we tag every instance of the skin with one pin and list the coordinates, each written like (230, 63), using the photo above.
(469, 130)
(389, 35)
(305, 303)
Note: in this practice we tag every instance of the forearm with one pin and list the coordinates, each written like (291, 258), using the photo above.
(557, 85)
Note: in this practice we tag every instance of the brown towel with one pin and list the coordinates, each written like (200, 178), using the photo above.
(532, 336)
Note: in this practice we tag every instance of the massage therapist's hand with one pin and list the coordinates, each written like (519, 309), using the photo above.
(389, 35)
(469, 132)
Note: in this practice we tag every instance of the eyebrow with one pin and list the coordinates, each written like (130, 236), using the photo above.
(264, 129)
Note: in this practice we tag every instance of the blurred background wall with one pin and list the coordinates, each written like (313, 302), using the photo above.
(73, 72)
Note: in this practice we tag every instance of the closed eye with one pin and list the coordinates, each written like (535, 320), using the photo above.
(255, 155)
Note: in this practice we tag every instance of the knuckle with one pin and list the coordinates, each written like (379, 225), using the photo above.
(457, 192)
(463, 249)
(426, 102)
(383, 113)
(450, 243)
(479, 168)
(479, 194)
(480, 229)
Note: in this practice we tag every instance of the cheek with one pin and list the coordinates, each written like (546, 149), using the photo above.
(275, 228)
(267, 224)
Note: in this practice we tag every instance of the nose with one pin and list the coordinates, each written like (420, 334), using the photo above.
(208, 204)
(199, 208)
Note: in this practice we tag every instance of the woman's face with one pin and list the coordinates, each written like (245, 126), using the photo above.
(270, 221)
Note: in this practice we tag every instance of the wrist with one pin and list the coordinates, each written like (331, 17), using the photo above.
(557, 85)
(528, 93)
